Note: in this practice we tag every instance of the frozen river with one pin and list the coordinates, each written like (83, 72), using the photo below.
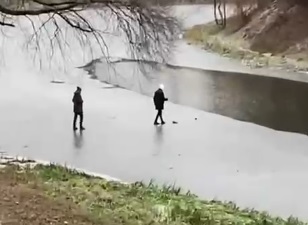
(275, 103)
(212, 155)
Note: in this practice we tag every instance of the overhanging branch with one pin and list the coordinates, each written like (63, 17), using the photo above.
(149, 30)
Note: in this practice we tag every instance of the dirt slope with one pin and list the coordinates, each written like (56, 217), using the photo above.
(281, 28)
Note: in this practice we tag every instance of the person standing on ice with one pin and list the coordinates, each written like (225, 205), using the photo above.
(159, 101)
(78, 109)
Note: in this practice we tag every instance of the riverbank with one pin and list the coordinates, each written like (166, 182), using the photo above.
(57, 195)
(272, 37)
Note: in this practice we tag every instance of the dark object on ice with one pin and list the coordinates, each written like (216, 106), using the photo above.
(57, 82)
(78, 109)
(159, 102)
(196, 118)
(174, 122)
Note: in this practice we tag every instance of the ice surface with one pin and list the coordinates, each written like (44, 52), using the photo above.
(213, 156)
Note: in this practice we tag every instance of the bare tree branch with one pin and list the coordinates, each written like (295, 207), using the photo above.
(148, 30)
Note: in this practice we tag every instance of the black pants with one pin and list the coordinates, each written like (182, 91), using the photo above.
(80, 119)
(159, 115)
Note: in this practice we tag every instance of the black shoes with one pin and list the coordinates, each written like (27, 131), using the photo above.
(81, 128)
(156, 123)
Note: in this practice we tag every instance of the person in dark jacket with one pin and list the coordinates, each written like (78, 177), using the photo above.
(159, 101)
(78, 109)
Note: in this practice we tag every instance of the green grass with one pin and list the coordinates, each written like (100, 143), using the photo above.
(137, 203)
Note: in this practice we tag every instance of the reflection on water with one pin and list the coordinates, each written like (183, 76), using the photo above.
(158, 138)
(275, 103)
(78, 139)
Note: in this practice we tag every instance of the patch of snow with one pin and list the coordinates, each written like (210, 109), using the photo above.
(24, 162)
(191, 15)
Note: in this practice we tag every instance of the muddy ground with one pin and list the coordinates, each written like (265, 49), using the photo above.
(27, 204)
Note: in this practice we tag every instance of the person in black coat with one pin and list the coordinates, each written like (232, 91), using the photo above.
(159, 101)
(78, 108)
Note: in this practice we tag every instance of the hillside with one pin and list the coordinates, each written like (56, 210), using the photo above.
(275, 35)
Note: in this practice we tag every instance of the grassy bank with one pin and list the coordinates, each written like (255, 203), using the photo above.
(229, 42)
(57, 195)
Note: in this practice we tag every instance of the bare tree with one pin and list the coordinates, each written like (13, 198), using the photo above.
(149, 30)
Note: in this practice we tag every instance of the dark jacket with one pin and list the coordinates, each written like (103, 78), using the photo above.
(77, 100)
(159, 99)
